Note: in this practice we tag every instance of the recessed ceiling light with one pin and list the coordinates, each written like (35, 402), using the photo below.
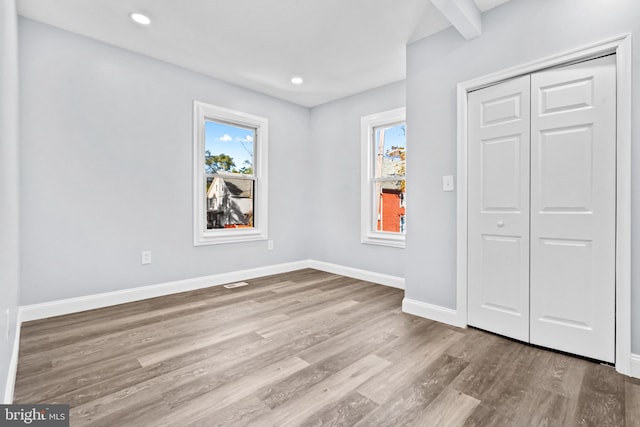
(297, 80)
(140, 18)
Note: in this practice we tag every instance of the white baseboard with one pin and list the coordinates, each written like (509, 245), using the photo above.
(450, 317)
(433, 312)
(635, 365)
(90, 302)
(13, 365)
(368, 276)
(73, 305)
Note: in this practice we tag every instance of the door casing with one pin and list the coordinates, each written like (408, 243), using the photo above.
(621, 46)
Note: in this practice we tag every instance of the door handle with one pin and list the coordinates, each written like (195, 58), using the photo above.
(500, 224)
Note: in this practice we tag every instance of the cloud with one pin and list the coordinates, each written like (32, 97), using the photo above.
(247, 138)
(225, 138)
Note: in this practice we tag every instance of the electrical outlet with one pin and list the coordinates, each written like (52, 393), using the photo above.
(270, 245)
(146, 257)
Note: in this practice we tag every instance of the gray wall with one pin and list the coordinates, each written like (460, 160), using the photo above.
(9, 219)
(106, 167)
(515, 33)
(107, 171)
(335, 154)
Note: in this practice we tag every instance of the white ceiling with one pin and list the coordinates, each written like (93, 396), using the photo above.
(339, 47)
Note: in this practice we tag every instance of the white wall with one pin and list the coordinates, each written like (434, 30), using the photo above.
(518, 32)
(9, 219)
(107, 169)
(335, 154)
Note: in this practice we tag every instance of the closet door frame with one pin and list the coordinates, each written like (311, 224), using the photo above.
(621, 47)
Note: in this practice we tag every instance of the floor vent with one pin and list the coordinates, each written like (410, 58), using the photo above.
(235, 285)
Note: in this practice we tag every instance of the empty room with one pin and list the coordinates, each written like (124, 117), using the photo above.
(319, 213)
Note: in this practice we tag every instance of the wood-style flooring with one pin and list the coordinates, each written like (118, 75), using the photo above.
(306, 348)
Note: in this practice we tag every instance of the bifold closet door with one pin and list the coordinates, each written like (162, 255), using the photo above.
(498, 208)
(573, 202)
(542, 208)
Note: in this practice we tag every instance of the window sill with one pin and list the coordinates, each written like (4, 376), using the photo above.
(392, 241)
(222, 236)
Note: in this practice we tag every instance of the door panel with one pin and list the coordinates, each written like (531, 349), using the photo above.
(565, 169)
(567, 262)
(566, 96)
(498, 208)
(500, 270)
(501, 110)
(500, 174)
(573, 182)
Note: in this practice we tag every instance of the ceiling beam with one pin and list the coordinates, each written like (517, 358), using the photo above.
(464, 15)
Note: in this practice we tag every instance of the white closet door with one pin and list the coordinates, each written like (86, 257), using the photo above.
(498, 208)
(573, 200)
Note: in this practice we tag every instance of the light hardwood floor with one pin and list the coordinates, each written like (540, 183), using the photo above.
(306, 348)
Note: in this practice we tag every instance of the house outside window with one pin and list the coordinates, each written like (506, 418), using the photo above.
(230, 175)
(383, 168)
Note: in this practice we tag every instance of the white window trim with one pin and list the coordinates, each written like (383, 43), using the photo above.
(369, 235)
(202, 236)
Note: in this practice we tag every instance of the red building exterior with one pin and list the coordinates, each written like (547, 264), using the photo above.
(391, 211)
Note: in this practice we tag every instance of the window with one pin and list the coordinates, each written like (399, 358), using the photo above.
(230, 175)
(384, 160)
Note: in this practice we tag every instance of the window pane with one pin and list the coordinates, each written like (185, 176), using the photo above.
(229, 202)
(389, 197)
(228, 148)
(390, 144)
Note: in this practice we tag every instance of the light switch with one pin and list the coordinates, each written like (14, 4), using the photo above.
(447, 183)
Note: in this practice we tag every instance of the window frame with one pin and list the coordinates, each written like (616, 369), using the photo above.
(201, 235)
(368, 212)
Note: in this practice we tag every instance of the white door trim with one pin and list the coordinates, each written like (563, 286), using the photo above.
(621, 46)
